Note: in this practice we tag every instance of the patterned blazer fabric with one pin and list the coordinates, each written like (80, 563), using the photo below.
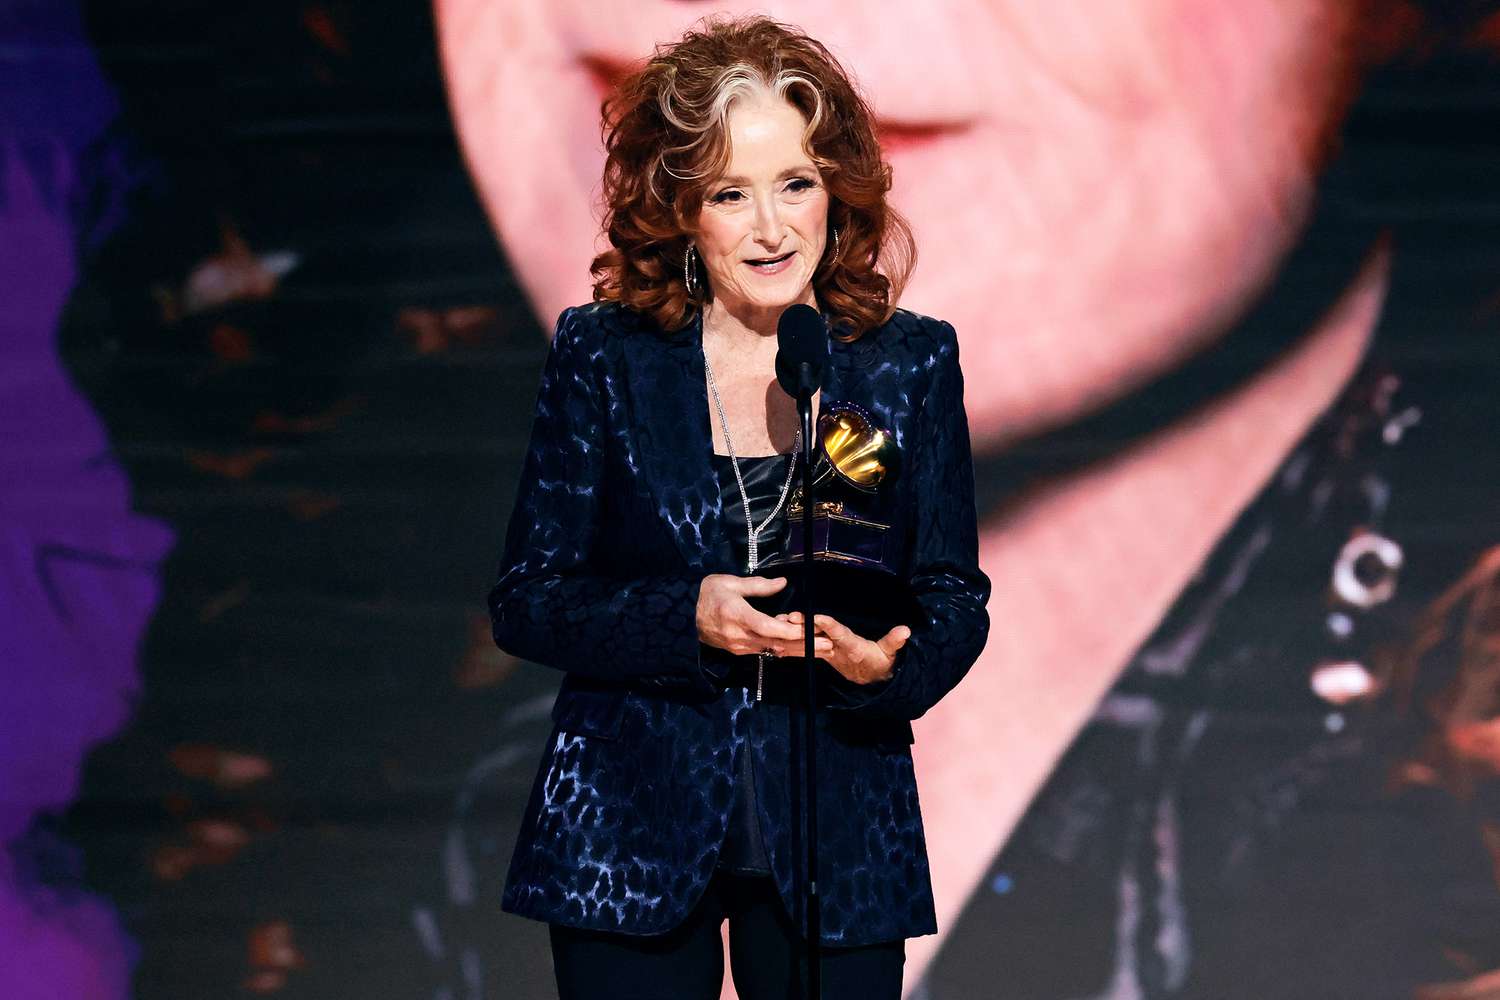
(616, 522)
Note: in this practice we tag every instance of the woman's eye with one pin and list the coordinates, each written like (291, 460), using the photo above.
(800, 184)
(725, 196)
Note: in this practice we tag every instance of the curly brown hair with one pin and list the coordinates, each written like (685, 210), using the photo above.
(666, 138)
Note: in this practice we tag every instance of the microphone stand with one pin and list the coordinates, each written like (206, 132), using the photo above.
(811, 902)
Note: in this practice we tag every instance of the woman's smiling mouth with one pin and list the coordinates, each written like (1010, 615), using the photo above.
(772, 265)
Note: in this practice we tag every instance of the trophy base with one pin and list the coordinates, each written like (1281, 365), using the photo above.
(871, 602)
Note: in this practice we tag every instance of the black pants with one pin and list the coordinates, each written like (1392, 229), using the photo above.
(687, 963)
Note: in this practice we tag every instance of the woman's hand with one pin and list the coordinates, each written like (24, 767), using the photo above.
(858, 659)
(726, 619)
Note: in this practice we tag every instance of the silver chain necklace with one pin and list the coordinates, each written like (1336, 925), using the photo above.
(752, 532)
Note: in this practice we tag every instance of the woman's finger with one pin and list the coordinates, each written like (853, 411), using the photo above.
(763, 625)
(759, 585)
(795, 617)
(895, 638)
(833, 628)
(793, 644)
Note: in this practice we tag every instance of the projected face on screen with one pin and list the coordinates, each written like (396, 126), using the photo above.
(1094, 188)
(1098, 192)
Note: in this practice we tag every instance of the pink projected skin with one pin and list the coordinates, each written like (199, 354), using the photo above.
(1097, 191)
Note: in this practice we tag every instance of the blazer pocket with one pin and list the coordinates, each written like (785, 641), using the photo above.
(590, 712)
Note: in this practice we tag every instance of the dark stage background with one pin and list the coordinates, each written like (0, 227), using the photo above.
(269, 377)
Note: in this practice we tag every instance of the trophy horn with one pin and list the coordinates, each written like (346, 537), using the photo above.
(852, 447)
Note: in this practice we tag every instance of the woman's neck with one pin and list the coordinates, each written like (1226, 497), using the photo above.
(746, 327)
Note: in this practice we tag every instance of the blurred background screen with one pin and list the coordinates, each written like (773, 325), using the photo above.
(277, 281)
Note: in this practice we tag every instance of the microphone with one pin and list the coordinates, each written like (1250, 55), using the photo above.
(801, 351)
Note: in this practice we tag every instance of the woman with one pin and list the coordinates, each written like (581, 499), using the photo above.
(743, 177)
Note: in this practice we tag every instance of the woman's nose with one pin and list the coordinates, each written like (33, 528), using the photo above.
(768, 228)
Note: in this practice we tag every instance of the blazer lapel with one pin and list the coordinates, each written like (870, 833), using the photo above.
(670, 406)
(671, 432)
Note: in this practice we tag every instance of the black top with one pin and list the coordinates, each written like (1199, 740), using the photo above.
(764, 477)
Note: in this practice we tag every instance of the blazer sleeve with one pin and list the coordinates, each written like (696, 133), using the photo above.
(549, 605)
(945, 576)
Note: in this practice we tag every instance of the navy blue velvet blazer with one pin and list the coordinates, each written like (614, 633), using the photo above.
(616, 522)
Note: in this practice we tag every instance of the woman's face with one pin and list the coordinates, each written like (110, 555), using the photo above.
(762, 224)
(1096, 189)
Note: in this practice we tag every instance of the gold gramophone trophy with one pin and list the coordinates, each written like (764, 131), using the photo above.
(854, 563)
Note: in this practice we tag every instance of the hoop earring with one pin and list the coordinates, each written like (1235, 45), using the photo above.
(689, 272)
(837, 250)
